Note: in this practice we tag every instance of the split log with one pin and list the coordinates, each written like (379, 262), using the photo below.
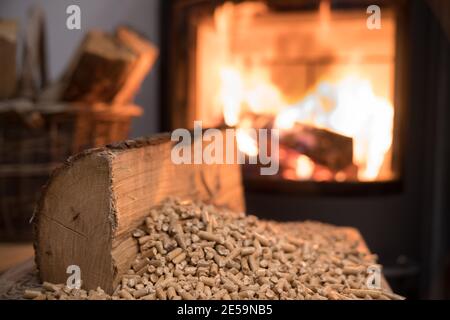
(146, 56)
(324, 147)
(8, 48)
(101, 68)
(91, 205)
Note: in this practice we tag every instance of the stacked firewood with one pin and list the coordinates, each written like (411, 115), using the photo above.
(107, 68)
(191, 250)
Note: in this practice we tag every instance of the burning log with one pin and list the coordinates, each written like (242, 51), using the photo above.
(324, 147)
(8, 47)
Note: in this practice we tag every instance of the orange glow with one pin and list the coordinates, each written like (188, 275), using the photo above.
(304, 167)
(246, 143)
(323, 68)
(231, 95)
(247, 91)
(324, 15)
(348, 107)
(351, 108)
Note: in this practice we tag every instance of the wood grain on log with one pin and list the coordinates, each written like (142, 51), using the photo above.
(92, 203)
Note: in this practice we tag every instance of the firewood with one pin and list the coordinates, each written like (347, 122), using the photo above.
(92, 205)
(146, 53)
(100, 70)
(8, 48)
(323, 146)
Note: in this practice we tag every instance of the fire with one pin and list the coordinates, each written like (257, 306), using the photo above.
(249, 91)
(246, 143)
(351, 108)
(347, 105)
(231, 95)
(304, 167)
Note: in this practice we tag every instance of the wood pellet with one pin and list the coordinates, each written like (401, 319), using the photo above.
(192, 250)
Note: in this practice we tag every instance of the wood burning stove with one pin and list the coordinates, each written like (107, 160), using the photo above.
(302, 61)
(291, 64)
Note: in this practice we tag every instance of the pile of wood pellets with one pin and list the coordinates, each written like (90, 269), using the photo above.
(192, 250)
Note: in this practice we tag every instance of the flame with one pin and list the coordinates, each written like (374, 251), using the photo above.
(304, 167)
(251, 91)
(246, 143)
(347, 105)
(231, 95)
(324, 15)
(351, 108)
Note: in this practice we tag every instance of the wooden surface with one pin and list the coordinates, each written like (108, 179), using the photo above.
(11, 254)
(16, 280)
(24, 276)
(94, 201)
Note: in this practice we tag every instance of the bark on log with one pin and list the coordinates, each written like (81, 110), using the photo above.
(92, 203)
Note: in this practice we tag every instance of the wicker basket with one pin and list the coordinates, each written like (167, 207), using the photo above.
(34, 139)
